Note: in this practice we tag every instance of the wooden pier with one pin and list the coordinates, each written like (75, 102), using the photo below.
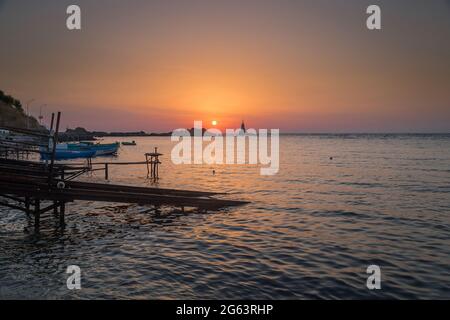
(29, 191)
(29, 185)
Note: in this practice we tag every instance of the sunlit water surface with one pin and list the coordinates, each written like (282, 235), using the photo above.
(309, 232)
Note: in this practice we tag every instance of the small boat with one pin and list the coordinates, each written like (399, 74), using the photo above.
(128, 143)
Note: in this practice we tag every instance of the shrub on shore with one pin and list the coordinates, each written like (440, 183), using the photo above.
(9, 100)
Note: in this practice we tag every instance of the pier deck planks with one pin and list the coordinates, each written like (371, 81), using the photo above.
(28, 179)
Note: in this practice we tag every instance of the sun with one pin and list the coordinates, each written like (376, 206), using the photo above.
(214, 122)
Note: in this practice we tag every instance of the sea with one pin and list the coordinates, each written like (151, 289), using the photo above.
(339, 204)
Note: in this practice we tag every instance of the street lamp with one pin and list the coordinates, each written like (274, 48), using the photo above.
(40, 113)
(29, 102)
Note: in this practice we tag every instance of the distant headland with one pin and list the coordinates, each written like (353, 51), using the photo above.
(81, 134)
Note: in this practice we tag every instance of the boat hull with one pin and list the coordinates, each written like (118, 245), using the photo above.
(68, 154)
(99, 149)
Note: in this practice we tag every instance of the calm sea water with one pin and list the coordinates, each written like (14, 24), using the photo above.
(309, 232)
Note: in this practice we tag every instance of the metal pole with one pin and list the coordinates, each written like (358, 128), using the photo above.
(29, 102)
(51, 123)
(40, 113)
(50, 134)
(55, 142)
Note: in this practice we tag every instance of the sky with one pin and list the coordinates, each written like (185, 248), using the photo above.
(296, 65)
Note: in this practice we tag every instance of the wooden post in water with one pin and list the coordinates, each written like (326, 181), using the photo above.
(27, 206)
(153, 163)
(37, 214)
(62, 212)
(106, 171)
(89, 163)
(55, 208)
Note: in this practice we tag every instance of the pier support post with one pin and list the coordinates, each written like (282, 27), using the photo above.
(27, 206)
(147, 162)
(106, 171)
(37, 214)
(55, 208)
(62, 212)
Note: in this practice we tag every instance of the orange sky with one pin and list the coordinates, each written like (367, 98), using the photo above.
(302, 66)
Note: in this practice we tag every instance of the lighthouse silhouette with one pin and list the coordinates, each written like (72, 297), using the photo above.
(243, 126)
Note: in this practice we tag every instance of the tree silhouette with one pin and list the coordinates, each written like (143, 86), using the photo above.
(9, 100)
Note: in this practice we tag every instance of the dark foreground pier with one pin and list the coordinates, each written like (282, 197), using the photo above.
(29, 185)
(26, 186)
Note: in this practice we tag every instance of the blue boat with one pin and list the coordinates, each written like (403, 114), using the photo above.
(67, 154)
(99, 149)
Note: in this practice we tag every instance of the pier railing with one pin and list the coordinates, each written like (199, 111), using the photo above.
(20, 143)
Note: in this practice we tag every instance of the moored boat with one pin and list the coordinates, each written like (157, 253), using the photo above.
(128, 143)
(99, 149)
(62, 154)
